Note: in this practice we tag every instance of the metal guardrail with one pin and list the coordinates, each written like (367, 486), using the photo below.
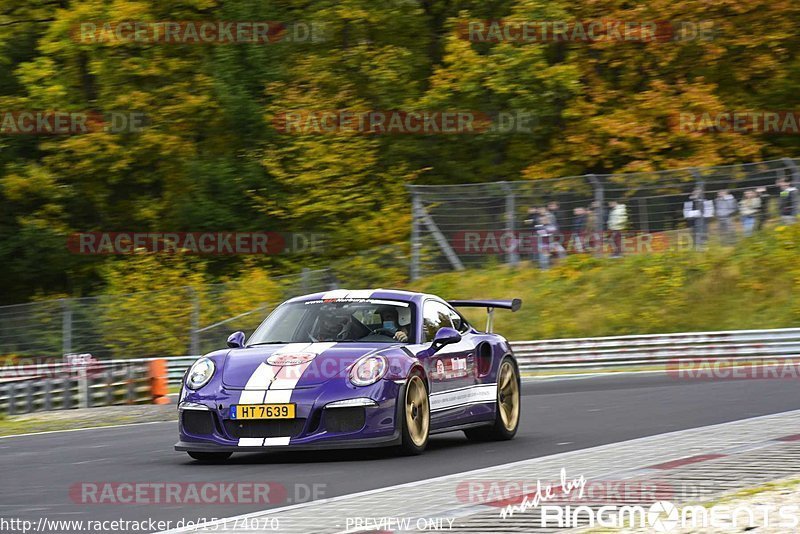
(606, 353)
(656, 350)
(126, 381)
(56, 387)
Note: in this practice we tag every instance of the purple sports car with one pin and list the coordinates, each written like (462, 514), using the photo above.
(347, 369)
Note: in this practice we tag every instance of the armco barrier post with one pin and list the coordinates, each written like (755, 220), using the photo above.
(159, 385)
(415, 236)
(84, 391)
(512, 256)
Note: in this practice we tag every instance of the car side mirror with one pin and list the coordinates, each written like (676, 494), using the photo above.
(445, 336)
(236, 340)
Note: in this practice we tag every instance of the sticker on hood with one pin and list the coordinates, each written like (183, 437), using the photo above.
(293, 358)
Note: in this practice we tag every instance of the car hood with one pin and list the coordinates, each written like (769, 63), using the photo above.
(293, 365)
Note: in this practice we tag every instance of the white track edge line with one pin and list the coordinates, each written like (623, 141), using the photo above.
(81, 429)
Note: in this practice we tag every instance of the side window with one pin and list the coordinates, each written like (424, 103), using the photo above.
(458, 323)
(435, 315)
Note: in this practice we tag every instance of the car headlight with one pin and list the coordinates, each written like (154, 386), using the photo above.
(200, 373)
(368, 370)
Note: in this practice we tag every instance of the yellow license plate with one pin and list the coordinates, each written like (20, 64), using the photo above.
(262, 411)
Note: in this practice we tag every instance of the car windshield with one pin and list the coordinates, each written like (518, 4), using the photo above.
(340, 320)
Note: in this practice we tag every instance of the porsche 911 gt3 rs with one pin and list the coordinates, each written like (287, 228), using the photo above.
(349, 369)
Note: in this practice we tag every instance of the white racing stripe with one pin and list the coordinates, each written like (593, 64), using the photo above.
(257, 384)
(272, 384)
(275, 442)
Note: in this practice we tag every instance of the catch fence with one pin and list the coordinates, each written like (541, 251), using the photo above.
(471, 225)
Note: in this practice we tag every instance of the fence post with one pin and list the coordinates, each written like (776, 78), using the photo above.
(110, 386)
(701, 234)
(4, 392)
(512, 255)
(66, 400)
(66, 326)
(12, 391)
(415, 236)
(29, 386)
(194, 334)
(48, 398)
(600, 210)
(305, 277)
(792, 166)
(130, 379)
(84, 393)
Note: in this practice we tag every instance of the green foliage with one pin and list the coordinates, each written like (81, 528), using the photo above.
(210, 157)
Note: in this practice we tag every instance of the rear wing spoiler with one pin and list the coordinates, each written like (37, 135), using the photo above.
(490, 305)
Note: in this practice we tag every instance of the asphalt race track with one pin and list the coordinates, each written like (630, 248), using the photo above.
(38, 471)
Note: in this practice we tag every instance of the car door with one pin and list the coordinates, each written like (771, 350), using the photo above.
(452, 369)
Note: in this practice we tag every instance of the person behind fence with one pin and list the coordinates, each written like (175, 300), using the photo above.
(749, 210)
(725, 208)
(579, 221)
(617, 223)
(787, 201)
(558, 217)
(591, 239)
(555, 226)
(763, 207)
(532, 221)
(698, 212)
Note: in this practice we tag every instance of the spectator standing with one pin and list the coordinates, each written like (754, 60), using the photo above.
(533, 222)
(553, 225)
(763, 207)
(617, 223)
(725, 208)
(698, 212)
(544, 227)
(787, 202)
(558, 218)
(579, 221)
(749, 209)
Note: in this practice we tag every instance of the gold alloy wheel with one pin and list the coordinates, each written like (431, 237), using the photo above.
(418, 416)
(508, 396)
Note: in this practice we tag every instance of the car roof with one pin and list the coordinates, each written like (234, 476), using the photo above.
(380, 293)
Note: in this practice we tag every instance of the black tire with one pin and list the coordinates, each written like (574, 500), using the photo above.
(505, 424)
(415, 415)
(210, 457)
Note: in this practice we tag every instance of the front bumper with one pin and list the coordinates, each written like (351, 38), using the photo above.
(206, 426)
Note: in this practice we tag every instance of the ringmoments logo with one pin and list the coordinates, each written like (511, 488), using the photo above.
(664, 516)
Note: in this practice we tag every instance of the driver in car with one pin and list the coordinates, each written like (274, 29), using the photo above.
(393, 324)
(333, 326)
